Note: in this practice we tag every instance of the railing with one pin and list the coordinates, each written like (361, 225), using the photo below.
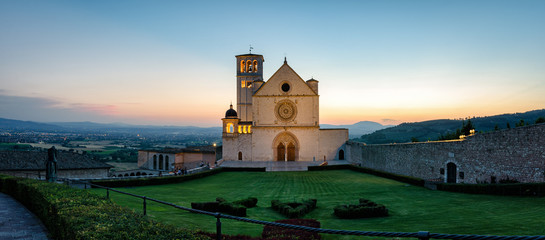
(422, 235)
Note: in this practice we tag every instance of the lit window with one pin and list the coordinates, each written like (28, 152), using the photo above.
(249, 129)
(230, 128)
(242, 66)
(239, 129)
(244, 129)
(242, 84)
(255, 65)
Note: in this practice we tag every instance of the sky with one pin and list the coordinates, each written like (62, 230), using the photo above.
(173, 62)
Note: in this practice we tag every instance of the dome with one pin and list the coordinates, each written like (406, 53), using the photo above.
(231, 113)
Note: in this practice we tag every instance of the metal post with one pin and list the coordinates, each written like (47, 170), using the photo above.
(144, 206)
(108, 193)
(423, 235)
(218, 226)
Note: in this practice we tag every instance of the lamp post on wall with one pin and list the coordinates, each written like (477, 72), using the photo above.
(215, 157)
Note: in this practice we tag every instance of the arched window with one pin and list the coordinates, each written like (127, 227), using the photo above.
(239, 129)
(166, 163)
(341, 154)
(249, 129)
(161, 162)
(242, 66)
(244, 129)
(239, 155)
(230, 128)
(249, 66)
(154, 161)
(255, 65)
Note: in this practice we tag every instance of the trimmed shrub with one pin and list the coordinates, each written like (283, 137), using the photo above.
(294, 209)
(248, 202)
(280, 233)
(223, 206)
(365, 209)
(70, 213)
(206, 206)
(232, 209)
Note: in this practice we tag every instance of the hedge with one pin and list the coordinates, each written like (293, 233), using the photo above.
(365, 209)
(510, 189)
(294, 209)
(401, 178)
(236, 208)
(70, 213)
(136, 182)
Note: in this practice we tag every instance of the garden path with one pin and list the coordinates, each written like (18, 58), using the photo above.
(17, 222)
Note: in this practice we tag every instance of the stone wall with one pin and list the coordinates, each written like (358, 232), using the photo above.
(517, 154)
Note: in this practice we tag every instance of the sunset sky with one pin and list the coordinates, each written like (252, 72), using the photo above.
(172, 62)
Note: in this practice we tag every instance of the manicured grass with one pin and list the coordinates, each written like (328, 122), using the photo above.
(411, 208)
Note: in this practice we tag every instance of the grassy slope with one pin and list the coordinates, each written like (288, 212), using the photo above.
(411, 208)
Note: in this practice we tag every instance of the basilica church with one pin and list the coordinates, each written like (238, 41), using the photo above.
(277, 119)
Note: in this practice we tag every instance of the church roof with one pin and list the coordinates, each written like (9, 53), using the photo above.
(285, 72)
(231, 113)
(248, 54)
(35, 160)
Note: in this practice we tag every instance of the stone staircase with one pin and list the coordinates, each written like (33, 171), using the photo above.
(277, 166)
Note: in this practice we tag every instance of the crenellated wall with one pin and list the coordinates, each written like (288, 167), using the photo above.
(517, 153)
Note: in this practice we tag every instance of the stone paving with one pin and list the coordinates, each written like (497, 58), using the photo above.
(17, 222)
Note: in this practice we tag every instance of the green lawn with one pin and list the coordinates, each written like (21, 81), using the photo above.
(411, 208)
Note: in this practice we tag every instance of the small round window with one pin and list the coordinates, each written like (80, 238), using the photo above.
(285, 87)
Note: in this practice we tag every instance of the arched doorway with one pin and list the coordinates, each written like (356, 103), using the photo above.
(240, 156)
(280, 152)
(291, 152)
(285, 147)
(451, 173)
(341, 154)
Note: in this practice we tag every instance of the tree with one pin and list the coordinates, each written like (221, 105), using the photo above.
(496, 127)
(413, 139)
(540, 120)
(508, 126)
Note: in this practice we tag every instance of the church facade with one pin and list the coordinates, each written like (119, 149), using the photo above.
(277, 119)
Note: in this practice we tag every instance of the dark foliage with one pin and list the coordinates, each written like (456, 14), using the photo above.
(280, 233)
(294, 209)
(365, 209)
(508, 189)
(70, 213)
(430, 130)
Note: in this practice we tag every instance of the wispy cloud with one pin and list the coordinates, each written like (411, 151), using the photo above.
(50, 110)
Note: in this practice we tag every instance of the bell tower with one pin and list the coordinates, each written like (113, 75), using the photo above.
(249, 69)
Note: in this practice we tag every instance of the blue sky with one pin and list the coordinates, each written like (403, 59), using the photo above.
(172, 62)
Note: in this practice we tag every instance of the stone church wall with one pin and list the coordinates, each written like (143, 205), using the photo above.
(331, 142)
(517, 154)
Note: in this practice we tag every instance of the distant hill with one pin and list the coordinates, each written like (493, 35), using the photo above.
(10, 124)
(431, 130)
(357, 129)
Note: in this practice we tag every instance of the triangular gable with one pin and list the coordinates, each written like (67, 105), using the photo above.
(285, 74)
